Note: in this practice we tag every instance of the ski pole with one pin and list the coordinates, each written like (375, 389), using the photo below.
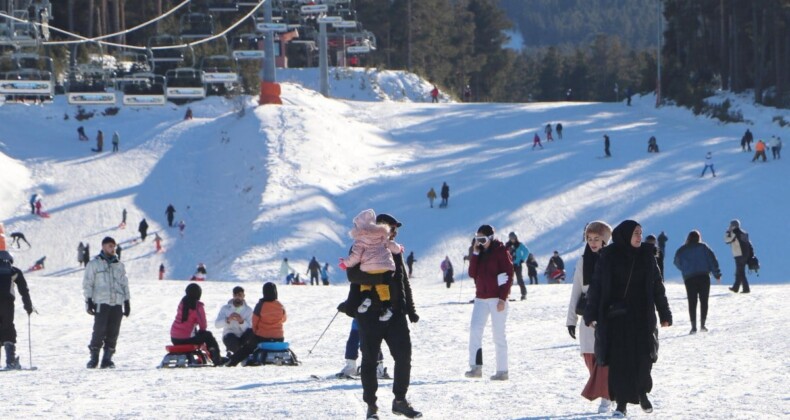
(29, 342)
(322, 334)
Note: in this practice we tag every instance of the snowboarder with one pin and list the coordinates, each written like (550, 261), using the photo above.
(313, 269)
(547, 130)
(170, 212)
(518, 254)
(447, 271)
(445, 193)
(10, 275)
(161, 271)
(759, 151)
(107, 299)
(652, 145)
(190, 324)
(559, 131)
(746, 141)
(325, 274)
(410, 260)
(606, 145)
(143, 229)
(708, 164)
(435, 95)
(81, 134)
(86, 256)
(431, 196)
(116, 141)
(532, 269)
(19, 236)
(536, 142)
(235, 319)
(99, 142)
(285, 270)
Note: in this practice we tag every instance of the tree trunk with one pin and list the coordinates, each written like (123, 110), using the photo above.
(758, 27)
(105, 17)
(91, 6)
(725, 70)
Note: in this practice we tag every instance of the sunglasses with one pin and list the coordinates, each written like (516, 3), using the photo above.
(482, 240)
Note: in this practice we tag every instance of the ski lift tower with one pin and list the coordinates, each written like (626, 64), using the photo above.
(270, 89)
(323, 47)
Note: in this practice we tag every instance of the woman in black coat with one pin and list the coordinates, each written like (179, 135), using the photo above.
(625, 291)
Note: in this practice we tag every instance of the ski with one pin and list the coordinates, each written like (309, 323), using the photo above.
(21, 368)
(333, 376)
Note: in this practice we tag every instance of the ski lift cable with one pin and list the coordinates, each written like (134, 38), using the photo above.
(81, 39)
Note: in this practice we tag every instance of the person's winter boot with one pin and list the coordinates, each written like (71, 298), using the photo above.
(476, 371)
(11, 360)
(373, 412)
(350, 369)
(500, 376)
(605, 406)
(106, 360)
(94, 361)
(403, 408)
(216, 358)
(381, 371)
(620, 412)
(645, 403)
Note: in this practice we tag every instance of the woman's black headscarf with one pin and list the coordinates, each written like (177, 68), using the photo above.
(590, 259)
(621, 236)
(193, 293)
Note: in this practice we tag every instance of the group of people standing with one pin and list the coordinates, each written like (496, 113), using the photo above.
(444, 193)
(116, 139)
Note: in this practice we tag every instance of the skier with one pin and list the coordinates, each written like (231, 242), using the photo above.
(445, 194)
(536, 142)
(81, 133)
(99, 142)
(116, 141)
(431, 196)
(746, 141)
(759, 151)
(559, 131)
(518, 254)
(606, 145)
(410, 260)
(313, 268)
(161, 271)
(532, 269)
(447, 271)
(143, 229)
(285, 270)
(235, 319)
(435, 95)
(189, 326)
(10, 275)
(19, 236)
(170, 212)
(708, 164)
(106, 290)
(547, 130)
(325, 274)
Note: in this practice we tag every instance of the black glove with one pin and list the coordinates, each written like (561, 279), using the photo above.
(413, 317)
(127, 308)
(29, 309)
(572, 331)
(90, 307)
(342, 307)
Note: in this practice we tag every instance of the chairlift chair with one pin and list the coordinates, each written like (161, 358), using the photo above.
(246, 46)
(196, 25)
(223, 5)
(175, 55)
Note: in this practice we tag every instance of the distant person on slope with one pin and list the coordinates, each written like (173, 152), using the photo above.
(532, 269)
(518, 253)
(547, 130)
(776, 147)
(559, 131)
(652, 145)
(314, 269)
(325, 274)
(606, 145)
(746, 141)
(431, 196)
(170, 212)
(410, 260)
(435, 95)
(536, 142)
(759, 151)
(445, 194)
(116, 141)
(285, 270)
(143, 229)
(99, 142)
(741, 247)
(81, 134)
(19, 236)
(708, 164)
(86, 256)
(447, 271)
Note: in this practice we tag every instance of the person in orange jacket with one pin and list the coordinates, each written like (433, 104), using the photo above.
(759, 150)
(268, 318)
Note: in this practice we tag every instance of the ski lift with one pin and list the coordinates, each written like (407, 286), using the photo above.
(184, 84)
(27, 76)
(220, 73)
(223, 5)
(247, 47)
(143, 89)
(173, 55)
(196, 25)
(248, 3)
(130, 62)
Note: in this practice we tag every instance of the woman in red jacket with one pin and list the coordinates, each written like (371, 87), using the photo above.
(191, 314)
(492, 268)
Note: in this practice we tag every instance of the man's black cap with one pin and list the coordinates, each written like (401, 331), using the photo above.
(386, 218)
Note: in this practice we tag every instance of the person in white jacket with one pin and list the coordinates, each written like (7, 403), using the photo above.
(235, 319)
(596, 235)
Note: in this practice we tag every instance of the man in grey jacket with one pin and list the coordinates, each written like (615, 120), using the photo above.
(738, 240)
(235, 319)
(106, 290)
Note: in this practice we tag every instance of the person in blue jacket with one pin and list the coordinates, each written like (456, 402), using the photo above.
(519, 253)
(696, 262)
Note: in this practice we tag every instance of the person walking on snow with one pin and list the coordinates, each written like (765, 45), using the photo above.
(313, 269)
(435, 95)
(106, 290)
(708, 164)
(547, 130)
(161, 271)
(116, 141)
(158, 242)
(285, 270)
(492, 269)
(431, 196)
(559, 131)
(759, 151)
(776, 147)
(746, 141)
(81, 133)
(532, 269)
(606, 145)
(33, 199)
(170, 212)
(445, 195)
(518, 253)
(19, 236)
(10, 276)
(696, 262)
(80, 253)
(410, 260)
(99, 142)
(447, 271)
(123, 219)
(325, 274)
(536, 142)
(143, 229)
(741, 247)
(181, 226)
(86, 256)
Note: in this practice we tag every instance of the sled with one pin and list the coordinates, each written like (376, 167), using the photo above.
(555, 277)
(186, 356)
(44, 214)
(276, 353)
